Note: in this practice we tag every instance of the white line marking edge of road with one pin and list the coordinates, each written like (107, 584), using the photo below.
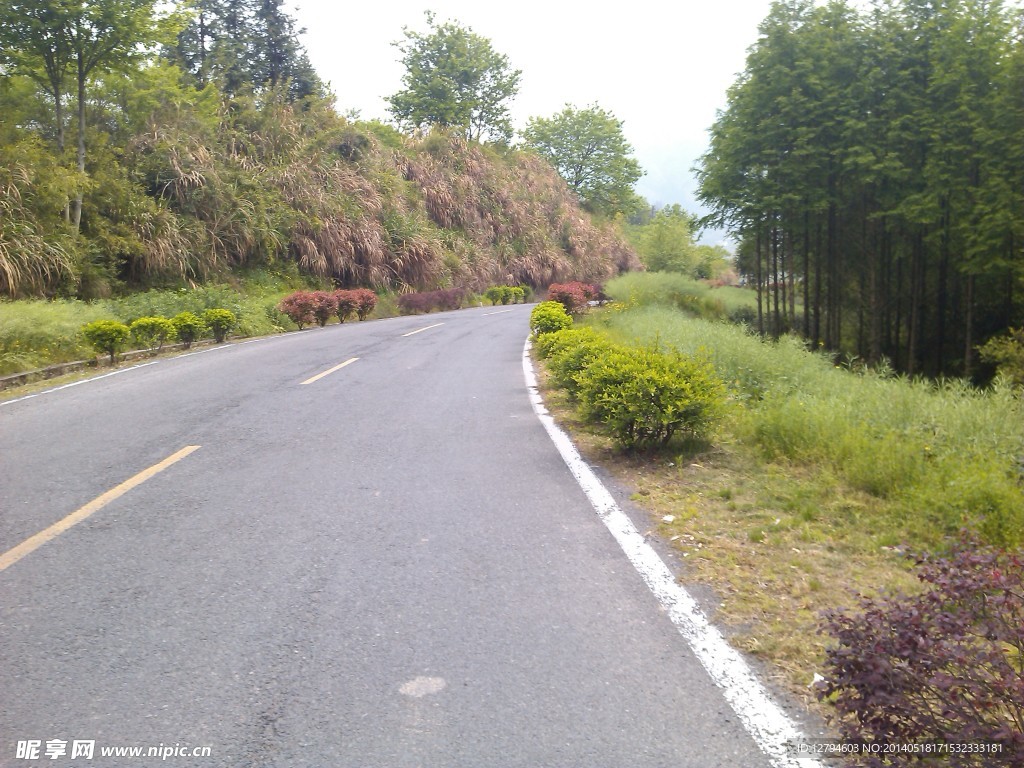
(771, 728)
(76, 383)
(134, 367)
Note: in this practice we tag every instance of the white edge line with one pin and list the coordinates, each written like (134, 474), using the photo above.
(76, 383)
(499, 312)
(770, 727)
(132, 368)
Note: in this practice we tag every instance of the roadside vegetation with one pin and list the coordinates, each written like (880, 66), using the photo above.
(894, 231)
(212, 171)
(817, 483)
(37, 333)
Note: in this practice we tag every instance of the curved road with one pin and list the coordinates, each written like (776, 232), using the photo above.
(385, 566)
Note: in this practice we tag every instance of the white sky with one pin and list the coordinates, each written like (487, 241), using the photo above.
(661, 67)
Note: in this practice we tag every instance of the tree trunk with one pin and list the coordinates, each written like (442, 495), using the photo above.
(969, 329)
(758, 278)
(775, 278)
(807, 274)
(817, 287)
(76, 205)
(58, 113)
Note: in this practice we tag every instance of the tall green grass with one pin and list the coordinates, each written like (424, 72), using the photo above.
(257, 314)
(34, 334)
(673, 289)
(945, 454)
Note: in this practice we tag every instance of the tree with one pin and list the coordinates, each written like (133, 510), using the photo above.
(245, 43)
(454, 79)
(76, 41)
(280, 57)
(588, 149)
(33, 42)
(665, 243)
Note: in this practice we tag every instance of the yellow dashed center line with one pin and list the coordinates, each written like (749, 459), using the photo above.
(11, 556)
(329, 371)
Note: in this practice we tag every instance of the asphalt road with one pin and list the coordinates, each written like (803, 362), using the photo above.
(388, 566)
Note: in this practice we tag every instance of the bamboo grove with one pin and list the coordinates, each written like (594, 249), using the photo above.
(871, 162)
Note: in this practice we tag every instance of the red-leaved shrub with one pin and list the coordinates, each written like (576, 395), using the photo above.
(299, 307)
(366, 300)
(428, 301)
(574, 296)
(942, 667)
(325, 306)
(347, 304)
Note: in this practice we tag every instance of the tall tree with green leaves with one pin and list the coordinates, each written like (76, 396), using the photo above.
(279, 56)
(73, 42)
(871, 161)
(665, 243)
(589, 150)
(454, 79)
(245, 44)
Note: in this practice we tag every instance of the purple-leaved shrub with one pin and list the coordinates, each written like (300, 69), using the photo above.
(945, 666)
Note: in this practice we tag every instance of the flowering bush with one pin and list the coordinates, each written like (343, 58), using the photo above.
(943, 666)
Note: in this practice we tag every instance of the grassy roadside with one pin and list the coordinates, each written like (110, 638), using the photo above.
(776, 543)
(817, 483)
(35, 334)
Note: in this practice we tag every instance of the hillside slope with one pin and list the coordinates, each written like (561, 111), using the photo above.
(200, 187)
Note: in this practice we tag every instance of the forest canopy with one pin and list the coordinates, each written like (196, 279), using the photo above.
(871, 161)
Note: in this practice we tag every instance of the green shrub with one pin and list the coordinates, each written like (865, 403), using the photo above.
(518, 294)
(189, 327)
(151, 332)
(108, 336)
(220, 322)
(569, 352)
(1007, 353)
(498, 294)
(548, 317)
(645, 397)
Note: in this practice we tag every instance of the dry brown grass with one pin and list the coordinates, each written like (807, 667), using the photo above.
(275, 182)
(517, 209)
(29, 261)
